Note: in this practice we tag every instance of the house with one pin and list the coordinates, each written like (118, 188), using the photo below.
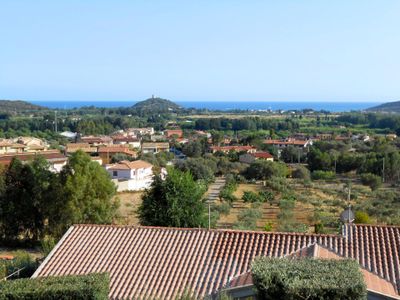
(126, 140)
(131, 175)
(85, 147)
(227, 149)
(55, 159)
(107, 152)
(140, 131)
(289, 142)
(160, 263)
(248, 158)
(177, 133)
(10, 146)
(391, 136)
(96, 140)
(31, 144)
(155, 147)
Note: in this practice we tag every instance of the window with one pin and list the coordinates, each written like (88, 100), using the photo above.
(115, 173)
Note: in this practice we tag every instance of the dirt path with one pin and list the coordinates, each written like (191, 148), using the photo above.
(214, 189)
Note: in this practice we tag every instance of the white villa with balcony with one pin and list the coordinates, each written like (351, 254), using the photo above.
(131, 175)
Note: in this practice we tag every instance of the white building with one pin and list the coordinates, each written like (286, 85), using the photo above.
(131, 175)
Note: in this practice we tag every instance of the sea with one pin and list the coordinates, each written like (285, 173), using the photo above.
(222, 105)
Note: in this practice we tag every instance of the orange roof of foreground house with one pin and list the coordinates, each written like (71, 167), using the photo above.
(151, 262)
(130, 165)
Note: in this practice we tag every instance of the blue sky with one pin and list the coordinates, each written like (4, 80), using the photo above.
(200, 50)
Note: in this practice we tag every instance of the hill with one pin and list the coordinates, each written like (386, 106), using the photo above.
(389, 107)
(15, 106)
(156, 106)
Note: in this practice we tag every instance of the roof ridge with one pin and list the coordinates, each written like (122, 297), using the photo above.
(211, 230)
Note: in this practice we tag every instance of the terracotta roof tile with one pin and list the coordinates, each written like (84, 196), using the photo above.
(262, 155)
(160, 262)
(234, 148)
(130, 165)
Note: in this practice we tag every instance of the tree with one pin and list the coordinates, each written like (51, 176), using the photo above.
(200, 168)
(195, 148)
(301, 172)
(87, 193)
(174, 202)
(371, 180)
(318, 160)
(261, 170)
(27, 193)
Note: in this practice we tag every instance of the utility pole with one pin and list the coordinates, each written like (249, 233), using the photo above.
(209, 214)
(55, 121)
(383, 169)
(349, 194)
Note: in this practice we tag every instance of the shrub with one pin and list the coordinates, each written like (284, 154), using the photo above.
(323, 175)
(268, 226)
(249, 196)
(301, 172)
(47, 244)
(319, 228)
(295, 279)
(230, 187)
(247, 219)
(266, 196)
(371, 180)
(362, 218)
(92, 287)
(278, 184)
(223, 209)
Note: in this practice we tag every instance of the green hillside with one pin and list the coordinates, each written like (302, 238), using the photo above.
(156, 105)
(389, 107)
(16, 106)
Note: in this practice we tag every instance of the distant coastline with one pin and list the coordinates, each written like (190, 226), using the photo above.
(222, 105)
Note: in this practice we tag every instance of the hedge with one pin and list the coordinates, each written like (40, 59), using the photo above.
(312, 279)
(91, 287)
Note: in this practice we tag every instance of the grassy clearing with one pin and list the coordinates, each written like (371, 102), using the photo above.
(129, 202)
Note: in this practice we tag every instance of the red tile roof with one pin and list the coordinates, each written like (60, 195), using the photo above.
(6, 159)
(234, 148)
(262, 155)
(289, 142)
(151, 262)
(122, 138)
(116, 149)
(160, 262)
(130, 165)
